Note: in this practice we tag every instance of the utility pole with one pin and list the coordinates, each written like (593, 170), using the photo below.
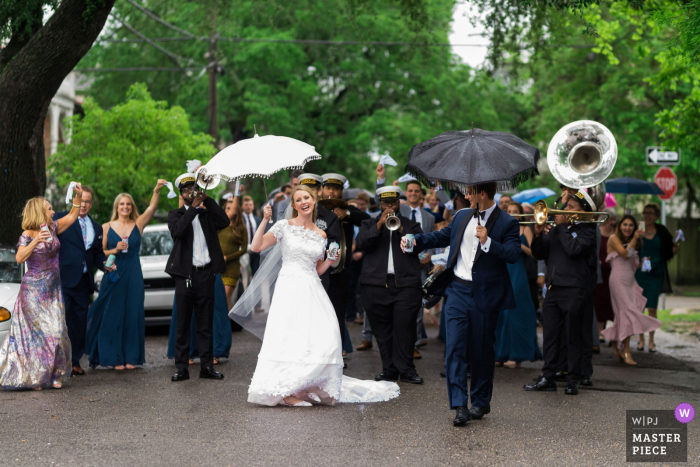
(213, 66)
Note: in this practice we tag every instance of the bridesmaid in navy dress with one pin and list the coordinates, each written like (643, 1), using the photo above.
(516, 330)
(116, 321)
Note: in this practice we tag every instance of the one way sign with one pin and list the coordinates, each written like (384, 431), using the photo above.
(657, 155)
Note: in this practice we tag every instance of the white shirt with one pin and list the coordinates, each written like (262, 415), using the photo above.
(200, 251)
(467, 250)
(390, 266)
(250, 220)
(419, 215)
(90, 232)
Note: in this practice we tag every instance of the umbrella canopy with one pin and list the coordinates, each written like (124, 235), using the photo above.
(457, 159)
(632, 186)
(260, 156)
(533, 195)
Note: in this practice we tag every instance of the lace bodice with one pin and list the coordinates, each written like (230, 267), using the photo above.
(301, 248)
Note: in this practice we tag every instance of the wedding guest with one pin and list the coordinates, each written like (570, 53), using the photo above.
(435, 209)
(251, 224)
(234, 243)
(116, 320)
(603, 304)
(658, 248)
(627, 296)
(516, 330)
(81, 252)
(504, 201)
(37, 351)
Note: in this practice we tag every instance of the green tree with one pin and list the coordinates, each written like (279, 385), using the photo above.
(128, 148)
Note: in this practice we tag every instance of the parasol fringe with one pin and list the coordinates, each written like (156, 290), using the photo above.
(289, 167)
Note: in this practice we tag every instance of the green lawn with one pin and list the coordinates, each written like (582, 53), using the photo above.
(678, 323)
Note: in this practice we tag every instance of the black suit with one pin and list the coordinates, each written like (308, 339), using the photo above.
(76, 285)
(340, 282)
(567, 251)
(254, 257)
(391, 301)
(194, 286)
(328, 222)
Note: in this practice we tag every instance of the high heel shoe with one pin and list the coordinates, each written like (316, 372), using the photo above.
(511, 364)
(627, 355)
(313, 397)
(640, 346)
(298, 404)
(651, 350)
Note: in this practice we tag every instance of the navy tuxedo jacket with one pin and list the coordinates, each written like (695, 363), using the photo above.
(491, 283)
(73, 254)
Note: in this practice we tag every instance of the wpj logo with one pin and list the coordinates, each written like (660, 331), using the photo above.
(656, 436)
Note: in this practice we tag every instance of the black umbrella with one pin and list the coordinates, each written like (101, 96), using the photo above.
(457, 159)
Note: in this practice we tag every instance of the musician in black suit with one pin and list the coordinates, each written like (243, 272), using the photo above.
(351, 216)
(390, 285)
(566, 247)
(81, 252)
(194, 262)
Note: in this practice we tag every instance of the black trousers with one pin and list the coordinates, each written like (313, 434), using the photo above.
(562, 313)
(587, 317)
(199, 296)
(338, 293)
(392, 312)
(77, 301)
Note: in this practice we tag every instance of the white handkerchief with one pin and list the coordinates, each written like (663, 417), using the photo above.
(646, 265)
(193, 165)
(386, 159)
(679, 236)
(346, 185)
(227, 196)
(406, 178)
(237, 191)
(172, 193)
(69, 195)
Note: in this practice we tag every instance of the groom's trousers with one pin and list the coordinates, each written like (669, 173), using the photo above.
(200, 296)
(471, 335)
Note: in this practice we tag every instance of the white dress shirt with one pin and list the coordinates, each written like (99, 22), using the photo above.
(90, 233)
(250, 221)
(467, 250)
(419, 215)
(390, 266)
(200, 251)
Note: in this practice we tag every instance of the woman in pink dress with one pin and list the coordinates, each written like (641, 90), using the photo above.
(627, 296)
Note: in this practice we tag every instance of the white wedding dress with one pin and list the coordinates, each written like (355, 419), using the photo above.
(301, 350)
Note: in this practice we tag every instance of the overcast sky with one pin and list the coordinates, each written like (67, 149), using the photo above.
(461, 30)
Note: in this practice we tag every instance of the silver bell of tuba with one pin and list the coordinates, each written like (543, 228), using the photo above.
(393, 222)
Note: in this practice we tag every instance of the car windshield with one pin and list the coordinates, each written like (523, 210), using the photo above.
(10, 271)
(156, 243)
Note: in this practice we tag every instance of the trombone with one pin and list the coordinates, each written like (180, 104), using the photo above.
(542, 212)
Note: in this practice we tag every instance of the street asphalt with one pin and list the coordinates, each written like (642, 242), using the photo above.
(141, 418)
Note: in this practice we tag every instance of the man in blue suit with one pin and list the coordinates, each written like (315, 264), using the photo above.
(81, 252)
(477, 286)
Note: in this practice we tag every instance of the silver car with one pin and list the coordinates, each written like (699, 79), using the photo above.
(156, 244)
(10, 280)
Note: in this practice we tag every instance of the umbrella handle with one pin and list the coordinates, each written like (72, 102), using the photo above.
(268, 202)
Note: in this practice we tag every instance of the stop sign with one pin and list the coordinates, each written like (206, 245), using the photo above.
(667, 181)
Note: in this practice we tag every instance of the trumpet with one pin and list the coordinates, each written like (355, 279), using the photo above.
(393, 222)
(204, 181)
(542, 212)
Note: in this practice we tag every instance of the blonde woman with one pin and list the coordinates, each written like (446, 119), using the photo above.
(116, 323)
(37, 353)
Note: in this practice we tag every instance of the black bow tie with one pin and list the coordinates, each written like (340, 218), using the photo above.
(482, 214)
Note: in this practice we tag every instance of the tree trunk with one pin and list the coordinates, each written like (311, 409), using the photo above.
(27, 85)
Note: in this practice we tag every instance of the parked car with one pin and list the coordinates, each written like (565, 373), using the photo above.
(156, 244)
(10, 279)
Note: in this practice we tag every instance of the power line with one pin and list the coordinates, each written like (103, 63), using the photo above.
(159, 19)
(143, 68)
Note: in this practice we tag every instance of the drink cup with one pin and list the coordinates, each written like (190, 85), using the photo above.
(410, 241)
(110, 261)
(333, 250)
(126, 240)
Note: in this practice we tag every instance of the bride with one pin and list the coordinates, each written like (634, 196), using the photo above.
(301, 361)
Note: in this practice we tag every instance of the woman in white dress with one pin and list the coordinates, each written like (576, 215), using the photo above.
(301, 357)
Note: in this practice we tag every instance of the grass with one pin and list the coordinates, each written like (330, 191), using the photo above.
(678, 323)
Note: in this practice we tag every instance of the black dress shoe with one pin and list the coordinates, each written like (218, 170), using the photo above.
(386, 376)
(571, 389)
(560, 376)
(412, 378)
(443, 374)
(586, 381)
(477, 413)
(181, 375)
(461, 417)
(542, 384)
(210, 373)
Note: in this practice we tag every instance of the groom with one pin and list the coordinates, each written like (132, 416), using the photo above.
(477, 286)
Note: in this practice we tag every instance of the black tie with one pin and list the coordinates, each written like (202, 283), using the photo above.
(482, 214)
(413, 214)
(250, 228)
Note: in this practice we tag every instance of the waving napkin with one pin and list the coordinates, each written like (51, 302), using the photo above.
(69, 195)
(386, 159)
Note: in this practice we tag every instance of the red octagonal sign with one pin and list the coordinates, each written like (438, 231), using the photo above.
(667, 181)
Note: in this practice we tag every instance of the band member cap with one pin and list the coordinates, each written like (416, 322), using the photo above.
(334, 179)
(388, 193)
(184, 180)
(310, 179)
(585, 200)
